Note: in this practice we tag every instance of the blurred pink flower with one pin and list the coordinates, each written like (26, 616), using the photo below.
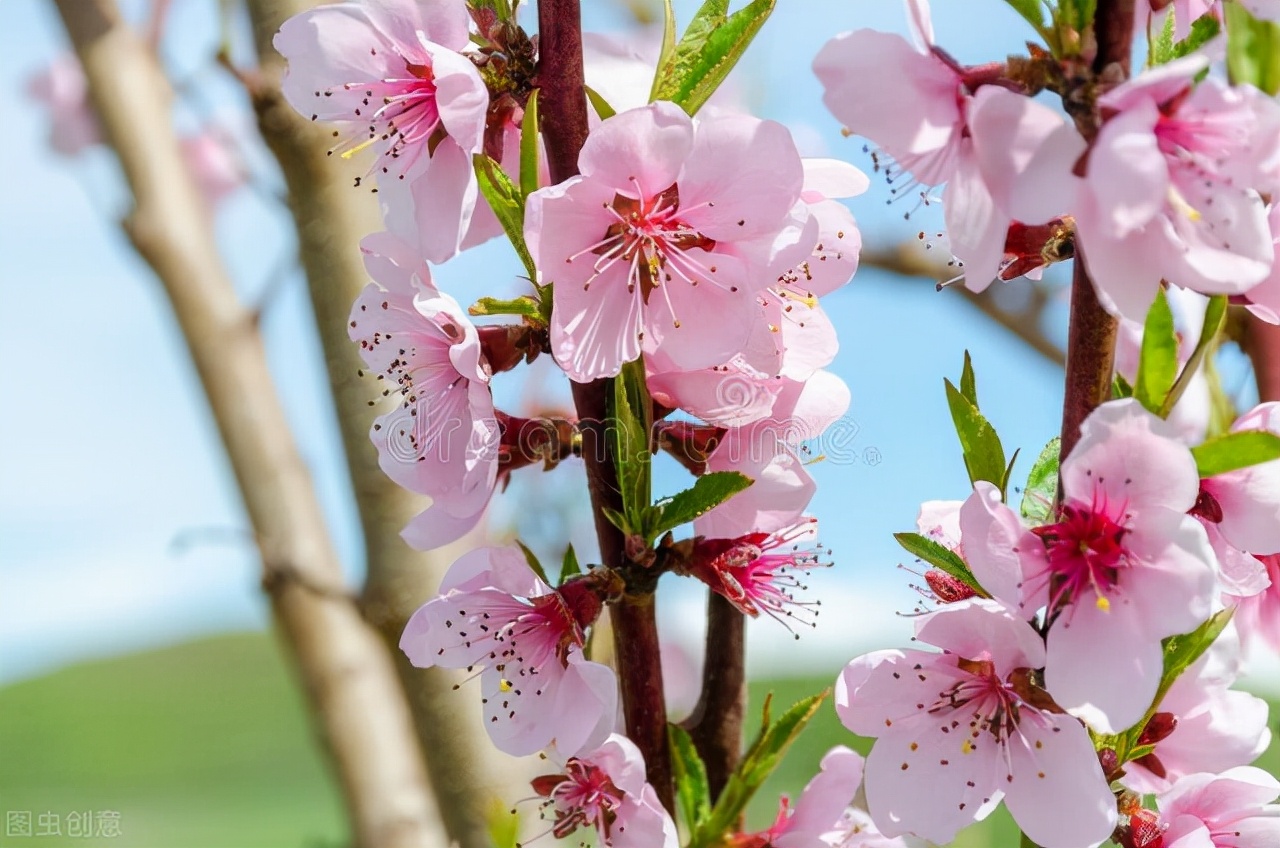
(1228, 810)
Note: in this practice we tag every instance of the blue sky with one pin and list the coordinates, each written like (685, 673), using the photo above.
(119, 521)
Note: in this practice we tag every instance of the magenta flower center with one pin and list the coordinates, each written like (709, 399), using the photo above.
(652, 241)
(758, 573)
(1086, 552)
(401, 113)
(584, 796)
(993, 706)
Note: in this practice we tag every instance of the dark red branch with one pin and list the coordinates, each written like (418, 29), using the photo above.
(562, 104)
(716, 722)
(1263, 345)
(1091, 337)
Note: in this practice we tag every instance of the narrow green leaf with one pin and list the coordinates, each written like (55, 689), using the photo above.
(1162, 44)
(602, 107)
(1008, 471)
(968, 382)
(1042, 485)
(629, 426)
(940, 558)
(569, 566)
(529, 148)
(668, 46)
(1032, 11)
(1233, 451)
(1253, 49)
(1180, 653)
(618, 520)
(525, 306)
(757, 764)
(983, 453)
(502, 825)
(507, 203)
(1158, 359)
(1203, 29)
(1120, 388)
(693, 792)
(532, 558)
(709, 50)
(1215, 317)
(708, 491)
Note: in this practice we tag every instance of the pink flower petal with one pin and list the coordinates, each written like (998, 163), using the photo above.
(647, 146)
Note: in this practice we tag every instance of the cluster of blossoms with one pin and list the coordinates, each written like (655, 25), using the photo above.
(699, 245)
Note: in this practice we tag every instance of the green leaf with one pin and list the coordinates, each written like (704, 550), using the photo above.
(757, 764)
(693, 792)
(529, 148)
(1162, 44)
(507, 203)
(1120, 388)
(1180, 653)
(524, 305)
(1032, 11)
(629, 426)
(1008, 471)
(618, 520)
(1215, 318)
(602, 107)
(983, 453)
(708, 51)
(569, 566)
(668, 45)
(532, 558)
(1233, 451)
(1158, 359)
(968, 382)
(708, 491)
(1253, 49)
(502, 825)
(1042, 485)
(940, 558)
(1203, 29)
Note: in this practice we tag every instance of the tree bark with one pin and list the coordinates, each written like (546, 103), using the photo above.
(357, 703)
(467, 774)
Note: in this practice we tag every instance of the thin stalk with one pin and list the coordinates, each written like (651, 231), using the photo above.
(563, 105)
(716, 722)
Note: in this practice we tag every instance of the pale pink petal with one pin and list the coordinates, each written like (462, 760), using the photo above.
(640, 149)
(878, 690)
(1127, 172)
(975, 224)
(922, 780)
(741, 179)
(983, 630)
(1250, 497)
(1087, 651)
(940, 521)
(832, 178)
(1000, 551)
(913, 112)
(805, 410)
(327, 47)
(586, 706)
(444, 194)
(1057, 792)
(1121, 269)
(705, 325)
(823, 800)
(643, 823)
(461, 97)
(780, 494)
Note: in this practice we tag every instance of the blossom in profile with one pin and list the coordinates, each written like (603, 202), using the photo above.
(443, 437)
(972, 725)
(605, 790)
(495, 614)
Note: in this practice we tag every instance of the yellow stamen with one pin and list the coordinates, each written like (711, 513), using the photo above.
(1104, 604)
(967, 747)
(504, 685)
(347, 154)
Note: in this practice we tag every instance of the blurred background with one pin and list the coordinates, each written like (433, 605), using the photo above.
(140, 684)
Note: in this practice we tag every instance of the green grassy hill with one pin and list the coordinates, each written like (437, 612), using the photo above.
(207, 745)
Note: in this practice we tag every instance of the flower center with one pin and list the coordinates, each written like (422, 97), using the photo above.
(583, 795)
(995, 706)
(649, 236)
(1085, 551)
(400, 111)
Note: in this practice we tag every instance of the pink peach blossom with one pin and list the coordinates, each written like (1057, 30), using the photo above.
(958, 731)
(537, 687)
(605, 790)
(665, 239)
(1257, 616)
(1246, 503)
(1229, 810)
(391, 75)
(443, 438)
